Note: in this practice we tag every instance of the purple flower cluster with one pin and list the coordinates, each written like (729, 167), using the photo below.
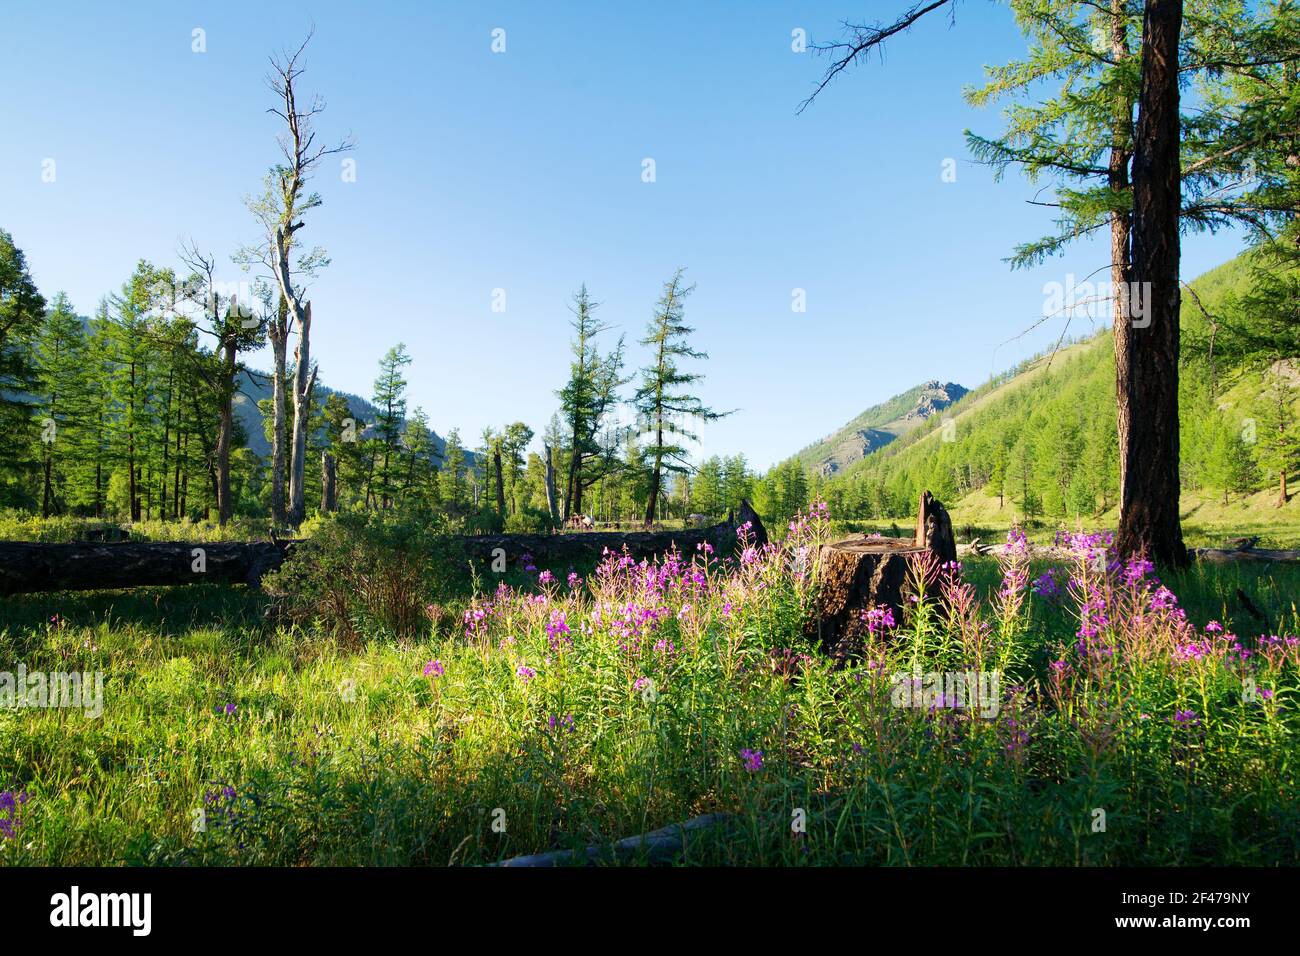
(878, 619)
(10, 819)
(557, 631)
(753, 759)
(564, 725)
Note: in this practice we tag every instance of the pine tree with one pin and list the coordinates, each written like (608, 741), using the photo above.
(390, 398)
(22, 309)
(663, 402)
(452, 479)
(63, 398)
(1278, 442)
(589, 396)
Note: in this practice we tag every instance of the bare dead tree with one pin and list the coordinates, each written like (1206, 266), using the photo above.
(233, 326)
(281, 212)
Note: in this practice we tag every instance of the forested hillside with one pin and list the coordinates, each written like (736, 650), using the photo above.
(878, 426)
(1041, 442)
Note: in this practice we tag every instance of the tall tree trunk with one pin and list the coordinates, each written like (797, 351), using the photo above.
(328, 477)
(500, 481)
(652, 499)
(304, 377)
(573, 487)
(1120, 229)
(133, 501)
(225, 430)
(166, 446)
(549, 481)
(176, 484)
(279, 337)
(1147, 373)
(47, 496)
(99, 469)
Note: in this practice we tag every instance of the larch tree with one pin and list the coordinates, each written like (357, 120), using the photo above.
(1090, 142)
(663, 400)
(390, 398)
(63, 397)
(587, 399)
(21, 310)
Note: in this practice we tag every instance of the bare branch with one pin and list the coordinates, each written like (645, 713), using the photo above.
(864, 39)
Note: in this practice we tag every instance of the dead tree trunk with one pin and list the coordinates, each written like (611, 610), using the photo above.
(550, 485)
(934, 528)
(31, 567)
(865, 572)
(328, 479)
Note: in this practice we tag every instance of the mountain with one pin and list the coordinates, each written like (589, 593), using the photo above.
(878, 426)
(1038, 441)
(254, 386)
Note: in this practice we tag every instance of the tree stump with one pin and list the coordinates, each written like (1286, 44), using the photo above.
(864, 572)
(856, 575)
(934, 528)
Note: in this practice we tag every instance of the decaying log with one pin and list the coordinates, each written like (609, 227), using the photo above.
(1222, 556)
(664, 845)
(866, 572)
(28, 566)
(32, 567)
(555, 549)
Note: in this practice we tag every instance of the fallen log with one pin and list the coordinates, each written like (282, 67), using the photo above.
(1224, 556)
(549, 549)
(29, 566)
(865, 572)
(664, 845)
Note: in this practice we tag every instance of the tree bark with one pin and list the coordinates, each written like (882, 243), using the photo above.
(1147, 372)
(328, 480)
(304, 377)
(862, 573)
(934, 528)
(279, 346)
(500, 481)
(857, 575)
(225, 431)
(550, 484)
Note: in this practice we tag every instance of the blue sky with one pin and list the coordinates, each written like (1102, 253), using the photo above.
(522, 171)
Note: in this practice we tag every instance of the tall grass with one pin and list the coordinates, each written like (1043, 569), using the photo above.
(548, 712)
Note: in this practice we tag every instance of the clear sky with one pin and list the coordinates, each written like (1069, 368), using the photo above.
(522, 171)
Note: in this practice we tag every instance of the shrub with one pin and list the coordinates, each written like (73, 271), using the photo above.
(366, 573)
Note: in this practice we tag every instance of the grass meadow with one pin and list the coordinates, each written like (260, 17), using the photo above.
(1133, 721)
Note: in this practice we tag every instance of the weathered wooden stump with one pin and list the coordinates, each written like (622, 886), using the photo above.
(934, 528)
(856, 575)
(864, 572)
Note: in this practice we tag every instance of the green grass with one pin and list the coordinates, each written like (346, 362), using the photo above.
(1207, 521)
(352, 756)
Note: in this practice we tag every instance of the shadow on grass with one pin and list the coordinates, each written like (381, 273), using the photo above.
(169, 612)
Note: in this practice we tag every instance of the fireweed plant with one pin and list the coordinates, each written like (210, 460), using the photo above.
(553, 709)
